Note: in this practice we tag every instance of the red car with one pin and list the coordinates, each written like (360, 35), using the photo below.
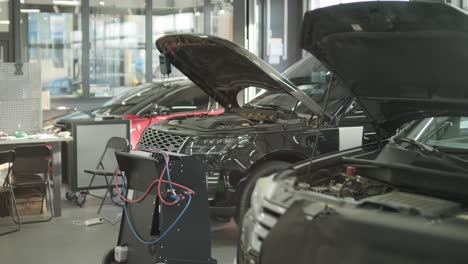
(151, 103)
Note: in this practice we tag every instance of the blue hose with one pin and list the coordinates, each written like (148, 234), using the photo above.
(152, 242)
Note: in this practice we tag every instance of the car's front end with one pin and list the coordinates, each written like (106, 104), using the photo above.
(258, 221)
(228, 143)
(401, 200)
(277, 128)
(270, 200)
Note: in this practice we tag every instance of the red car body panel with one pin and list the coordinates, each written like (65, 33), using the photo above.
(139, 123)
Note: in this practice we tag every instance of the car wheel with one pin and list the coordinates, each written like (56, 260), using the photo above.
(247, 188)
(70, 195)
(109, 257)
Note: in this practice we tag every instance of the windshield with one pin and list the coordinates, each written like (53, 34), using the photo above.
(123, 102)
(439, 132)
(175, 96)
(311, 77)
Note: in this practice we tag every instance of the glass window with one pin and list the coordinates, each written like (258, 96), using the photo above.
(314, 4)
(442, 132)
(4, 16)
(187, 16)
(54, 40)
(117, 52)
(310, 76)
(185, 100)
(177, 97)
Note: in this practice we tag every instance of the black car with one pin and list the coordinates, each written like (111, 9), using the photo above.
(401, 200)
(274, 130)
(146, 104)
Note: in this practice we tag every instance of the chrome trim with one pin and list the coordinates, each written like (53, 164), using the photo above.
(260, 231)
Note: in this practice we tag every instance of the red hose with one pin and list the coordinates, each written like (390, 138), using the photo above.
(117, 188)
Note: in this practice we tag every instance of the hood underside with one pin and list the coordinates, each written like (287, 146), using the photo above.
(222, 68)
(402, 60)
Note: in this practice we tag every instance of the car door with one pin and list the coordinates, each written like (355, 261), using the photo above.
(355, 117)
(350, 127)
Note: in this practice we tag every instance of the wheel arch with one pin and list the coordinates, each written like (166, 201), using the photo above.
(289, 156)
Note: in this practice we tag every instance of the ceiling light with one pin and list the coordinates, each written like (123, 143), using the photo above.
(4, 22)
(101, 3)
(196, 12)
(30, 10)
(66, 3)
(221, 11)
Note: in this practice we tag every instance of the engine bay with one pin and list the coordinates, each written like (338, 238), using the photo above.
(374, 195)
(238, 118)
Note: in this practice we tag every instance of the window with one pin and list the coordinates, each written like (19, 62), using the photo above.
(117, 32)
(117, 53)
(178, 97)
(170, 17)
(4, 16)
(190, 99)
(54, 41)
(443, 132)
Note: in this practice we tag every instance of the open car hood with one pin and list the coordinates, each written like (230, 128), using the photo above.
(222, 68)
(402, 60)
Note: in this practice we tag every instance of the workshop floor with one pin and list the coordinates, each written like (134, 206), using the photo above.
(61, 241)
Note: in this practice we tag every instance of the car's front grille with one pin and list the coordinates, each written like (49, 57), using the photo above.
(265, 222)
(161, 140)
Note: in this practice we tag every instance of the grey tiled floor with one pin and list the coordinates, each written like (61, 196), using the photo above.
(60, 241)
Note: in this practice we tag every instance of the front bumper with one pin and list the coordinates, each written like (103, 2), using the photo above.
(255, 229)
(248, 250)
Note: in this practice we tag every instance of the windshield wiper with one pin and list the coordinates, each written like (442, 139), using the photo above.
(90, 113)
(271, 106)
(421, 146)
(432, 151)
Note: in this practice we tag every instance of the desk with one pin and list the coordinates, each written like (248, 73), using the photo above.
(56, 165)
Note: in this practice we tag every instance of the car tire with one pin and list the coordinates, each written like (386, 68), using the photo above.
(109, 257)
(248, 186)
(70, 195)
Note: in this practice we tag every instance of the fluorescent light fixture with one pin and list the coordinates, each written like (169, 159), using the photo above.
(101, 3)
(30, 10)
(66, 3)
(184, 107)
(4, 22)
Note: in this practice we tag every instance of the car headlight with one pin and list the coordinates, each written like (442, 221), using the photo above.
(263, 188)
(215, 145)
